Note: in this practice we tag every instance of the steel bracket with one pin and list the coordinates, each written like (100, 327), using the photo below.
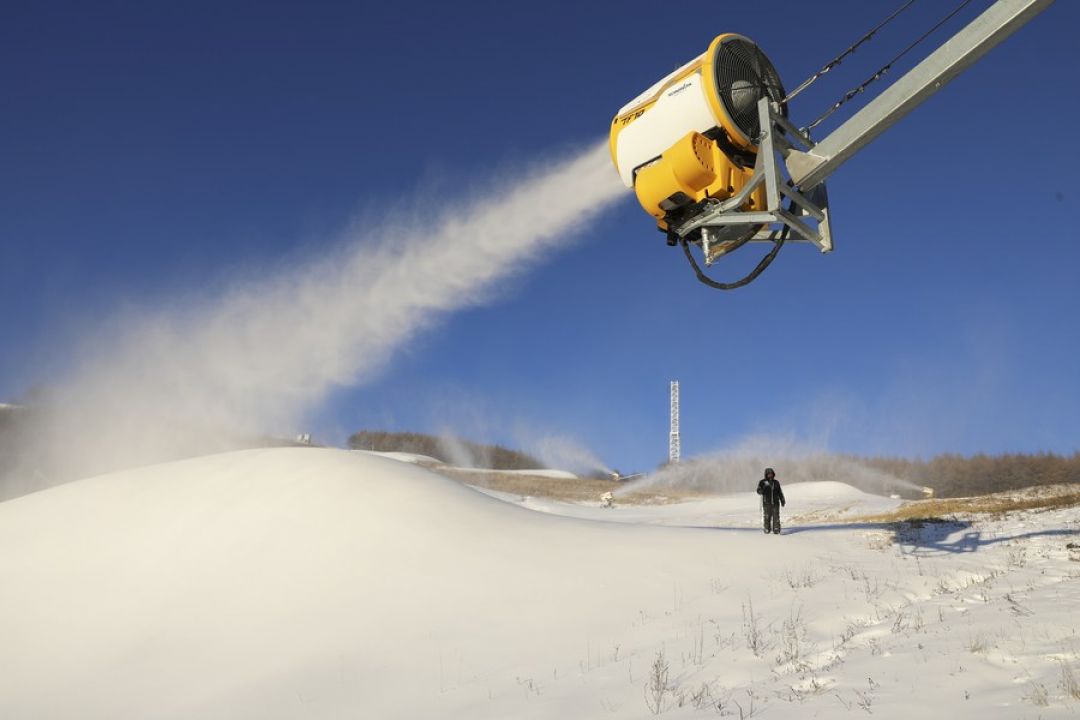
(806, 214)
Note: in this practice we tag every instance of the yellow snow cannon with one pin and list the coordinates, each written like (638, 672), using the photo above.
(692, 137)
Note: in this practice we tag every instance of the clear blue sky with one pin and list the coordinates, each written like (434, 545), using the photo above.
(147, 147)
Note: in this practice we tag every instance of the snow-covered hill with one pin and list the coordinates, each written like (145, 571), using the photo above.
(314, 583)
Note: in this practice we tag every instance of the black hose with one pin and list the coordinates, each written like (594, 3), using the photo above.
(778, 242)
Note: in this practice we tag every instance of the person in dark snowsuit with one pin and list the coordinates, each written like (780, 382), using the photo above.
(772, 497)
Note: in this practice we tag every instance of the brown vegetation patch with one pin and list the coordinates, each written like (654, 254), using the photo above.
(1037, 498)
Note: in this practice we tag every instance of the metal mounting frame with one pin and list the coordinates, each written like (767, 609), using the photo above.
(799, 176)
(808, 216)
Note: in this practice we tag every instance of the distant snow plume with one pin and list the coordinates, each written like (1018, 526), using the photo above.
(458, 453)
(196, 376)
(739, 467)
(565, 453)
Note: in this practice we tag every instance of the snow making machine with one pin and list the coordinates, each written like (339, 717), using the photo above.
(712, 156)
(690, 142)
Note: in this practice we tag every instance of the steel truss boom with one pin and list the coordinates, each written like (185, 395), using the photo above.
(965, 48)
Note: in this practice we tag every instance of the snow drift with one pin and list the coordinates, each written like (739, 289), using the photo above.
(311, 583)
(250, 584)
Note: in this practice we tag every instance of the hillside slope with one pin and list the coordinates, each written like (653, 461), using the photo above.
(286, 583)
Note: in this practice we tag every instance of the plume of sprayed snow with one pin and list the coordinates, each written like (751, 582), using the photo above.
(565, 453)
(194, 377)
(459, 454)
(739, 467)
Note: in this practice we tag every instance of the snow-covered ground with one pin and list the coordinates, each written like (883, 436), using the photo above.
(414, 458)
(812, 503)
(436, 463)
(316, 583)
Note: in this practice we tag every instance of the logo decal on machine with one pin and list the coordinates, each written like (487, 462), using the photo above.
(627, 119)
(679, 89)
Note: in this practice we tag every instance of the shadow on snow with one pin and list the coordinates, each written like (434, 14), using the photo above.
(924, 537)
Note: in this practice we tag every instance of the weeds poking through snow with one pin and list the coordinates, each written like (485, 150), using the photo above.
(749, 710)
(755, 638)
(697, 653)
(657, 688)
(800, 694)
(1038, 695)
(1016, 608)
(872, 591)
(802, 578)
(863, 700)
(851, 630)
(1017, 557)
(792, 637)
(1069, 683)
(978, 644)
(850, 570)
(702, 698)
(723, 639)
(530, 686)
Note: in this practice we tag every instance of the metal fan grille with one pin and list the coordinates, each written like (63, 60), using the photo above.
(743, 76)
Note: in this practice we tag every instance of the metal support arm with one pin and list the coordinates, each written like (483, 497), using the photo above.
(960, 52)
(807, 215)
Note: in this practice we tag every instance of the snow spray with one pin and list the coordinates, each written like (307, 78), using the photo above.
(557, 451)
(739, 467)
(194, 377)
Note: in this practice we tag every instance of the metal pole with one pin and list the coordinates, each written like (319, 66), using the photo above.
(961, 51)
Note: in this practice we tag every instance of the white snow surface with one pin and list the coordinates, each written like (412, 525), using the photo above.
(414, 458)
(417, 459)
(317, 583)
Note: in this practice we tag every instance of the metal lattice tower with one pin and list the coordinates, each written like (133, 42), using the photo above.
(673, 440)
